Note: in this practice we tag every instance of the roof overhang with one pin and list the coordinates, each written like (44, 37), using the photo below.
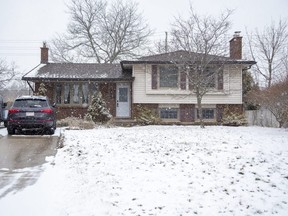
(228, 62)
(47, 79)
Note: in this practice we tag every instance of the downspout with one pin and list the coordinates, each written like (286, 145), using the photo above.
(30, 86)
(244, 69)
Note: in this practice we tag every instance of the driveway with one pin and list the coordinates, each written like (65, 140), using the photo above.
(22, 158)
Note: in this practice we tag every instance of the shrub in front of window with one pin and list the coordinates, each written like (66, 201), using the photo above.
(98, 109)
(42, 90)
(233, 119)
(146, 116)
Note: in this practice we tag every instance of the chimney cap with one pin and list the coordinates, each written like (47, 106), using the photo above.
(44, 53)
(237, 34)
(44, 44)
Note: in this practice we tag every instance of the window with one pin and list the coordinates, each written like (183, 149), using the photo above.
(74, 93)
(66, 94)
(214, 76)
(207, 113)
(123, 94)
(210, 75)
(168, 76)
(169, 113)
(58, 93)
(184, 77)
(94, 88)
(85, 90)
(30, 103)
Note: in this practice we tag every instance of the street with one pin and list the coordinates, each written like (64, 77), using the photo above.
(21, 159)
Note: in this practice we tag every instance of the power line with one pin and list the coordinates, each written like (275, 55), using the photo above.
(19, 54)
(20, 41)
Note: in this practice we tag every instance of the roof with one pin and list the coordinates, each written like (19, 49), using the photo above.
(182, 56)
(78, 71)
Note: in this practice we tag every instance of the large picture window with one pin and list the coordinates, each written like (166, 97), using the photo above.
(185, 77)
(168, 76)
(74, 93)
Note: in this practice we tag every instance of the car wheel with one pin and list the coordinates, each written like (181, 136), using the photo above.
(50, 131)
(11, 131)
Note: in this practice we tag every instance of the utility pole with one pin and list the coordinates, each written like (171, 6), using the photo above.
(166, 42)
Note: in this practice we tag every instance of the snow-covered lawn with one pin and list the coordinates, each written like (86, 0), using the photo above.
(161, 170)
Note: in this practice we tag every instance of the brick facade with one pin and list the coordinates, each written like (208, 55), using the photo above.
(187, 112)
(108, 91)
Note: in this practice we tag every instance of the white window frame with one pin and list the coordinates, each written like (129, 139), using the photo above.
(171, 107)
(159, 77)
(205, 107)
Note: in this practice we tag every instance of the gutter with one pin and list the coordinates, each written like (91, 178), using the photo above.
(77, 79)
(193, 62)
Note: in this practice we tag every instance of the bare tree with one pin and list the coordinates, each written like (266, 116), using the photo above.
(204, 40)
(7, 72)
(284, 62)
(275, 99)
(101, 32)
(267, 48)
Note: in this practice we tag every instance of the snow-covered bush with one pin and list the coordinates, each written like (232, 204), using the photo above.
(233, 119)
(98, 110)
(74, 123)
(146, 116)
(42, 90)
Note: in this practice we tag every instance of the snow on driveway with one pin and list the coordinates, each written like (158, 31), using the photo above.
(162, 170)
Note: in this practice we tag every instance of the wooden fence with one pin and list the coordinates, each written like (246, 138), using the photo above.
(262, 117)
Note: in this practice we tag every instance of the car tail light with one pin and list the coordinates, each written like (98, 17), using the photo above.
(13, 111)
(49, 111)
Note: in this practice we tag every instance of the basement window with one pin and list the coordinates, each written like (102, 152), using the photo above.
(207, 113)
(169, 113)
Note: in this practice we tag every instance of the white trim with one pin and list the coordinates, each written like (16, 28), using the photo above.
(126, 104)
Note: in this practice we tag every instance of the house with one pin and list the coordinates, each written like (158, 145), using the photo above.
(72, 85)
(154, 82)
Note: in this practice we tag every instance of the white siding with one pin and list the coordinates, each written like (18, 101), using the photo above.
(143, 92)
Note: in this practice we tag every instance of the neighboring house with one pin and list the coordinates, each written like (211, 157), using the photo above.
(154, 82)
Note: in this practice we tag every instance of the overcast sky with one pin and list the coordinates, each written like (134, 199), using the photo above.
(24, 24)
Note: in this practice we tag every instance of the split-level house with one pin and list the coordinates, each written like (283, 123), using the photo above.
(155, 82)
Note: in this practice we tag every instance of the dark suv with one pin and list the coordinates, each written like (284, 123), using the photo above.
(32, 113)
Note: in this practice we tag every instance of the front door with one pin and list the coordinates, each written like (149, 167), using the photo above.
(123, 100)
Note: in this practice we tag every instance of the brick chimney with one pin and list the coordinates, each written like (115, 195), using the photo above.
(44, 54)
(236, 46)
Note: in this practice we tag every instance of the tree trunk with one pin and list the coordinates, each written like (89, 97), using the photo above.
(199, 104)
(270, 74)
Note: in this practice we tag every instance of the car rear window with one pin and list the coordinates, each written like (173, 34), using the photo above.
(34, 103)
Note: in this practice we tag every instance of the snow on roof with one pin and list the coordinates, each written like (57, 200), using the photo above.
(77, 71)
(185, 56)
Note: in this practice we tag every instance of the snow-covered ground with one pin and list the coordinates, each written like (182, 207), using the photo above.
(3, 131)
(161, 170)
